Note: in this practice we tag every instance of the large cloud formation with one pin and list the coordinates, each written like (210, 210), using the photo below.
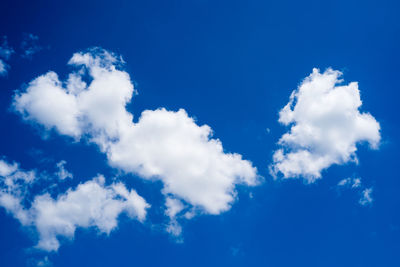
(162, 145)
(90, 204)
(325, 127)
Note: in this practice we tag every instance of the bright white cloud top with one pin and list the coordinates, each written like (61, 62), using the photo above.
(162, 145)
(90, 204)
(325, 127)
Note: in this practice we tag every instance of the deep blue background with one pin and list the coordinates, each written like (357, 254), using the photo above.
(231, 65)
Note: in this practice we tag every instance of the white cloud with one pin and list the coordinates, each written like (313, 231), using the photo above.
(366, 198)
(63, 173)
(325, 127)
(14, 186)
(352, 182)
(356, 185)
(344, 182)
(169, 146)
(12, 204)
(90, 204)
(173, 207)
(163, 145)
(39, 103)
(6, 168)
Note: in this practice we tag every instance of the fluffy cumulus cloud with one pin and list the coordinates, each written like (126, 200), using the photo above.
(90, 204)
(162, 145)
(325, 127)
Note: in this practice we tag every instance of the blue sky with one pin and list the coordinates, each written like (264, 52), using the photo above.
(231, 65)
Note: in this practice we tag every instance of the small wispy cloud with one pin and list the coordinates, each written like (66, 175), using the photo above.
(3, 68)
(5, 53)
(41, 262)
(356, 184)
(352, 182)
(63, 173)
(5, 50)
(366, 198)
(30, 45)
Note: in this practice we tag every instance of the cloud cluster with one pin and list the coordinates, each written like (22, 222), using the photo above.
(350, 182)
(356, 184)
(198, 176)
(325, 127)
(163, 145)
(29, 46)
(90, 204)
